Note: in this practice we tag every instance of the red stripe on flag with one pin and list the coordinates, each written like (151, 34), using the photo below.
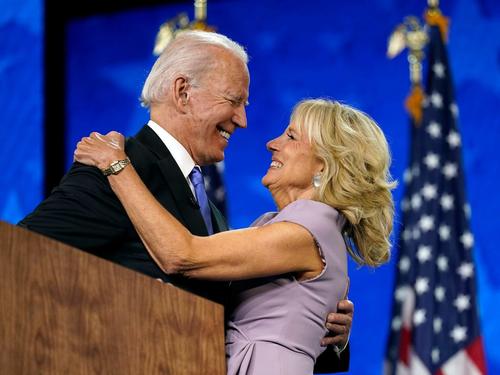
(404, 346)
(475, 351)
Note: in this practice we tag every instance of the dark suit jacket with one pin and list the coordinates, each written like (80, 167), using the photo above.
(84, 212)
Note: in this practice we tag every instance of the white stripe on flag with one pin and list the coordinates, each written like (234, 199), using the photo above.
(460, 364)
(417, 367)
(408, 297)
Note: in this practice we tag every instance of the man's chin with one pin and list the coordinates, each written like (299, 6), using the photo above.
(265, 182)
(213, 159)
(220, 157)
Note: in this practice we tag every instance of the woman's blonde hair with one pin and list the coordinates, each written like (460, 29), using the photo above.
(355, 179)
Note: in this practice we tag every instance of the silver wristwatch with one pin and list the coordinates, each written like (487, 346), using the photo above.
(116, 167)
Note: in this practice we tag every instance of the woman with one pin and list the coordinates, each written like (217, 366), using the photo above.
(330, 181)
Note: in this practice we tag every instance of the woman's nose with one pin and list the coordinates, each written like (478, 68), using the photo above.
(272, 145)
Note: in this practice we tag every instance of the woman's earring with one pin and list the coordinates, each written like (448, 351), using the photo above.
(317, 180)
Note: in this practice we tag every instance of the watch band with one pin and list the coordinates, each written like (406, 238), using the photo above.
(116, 167)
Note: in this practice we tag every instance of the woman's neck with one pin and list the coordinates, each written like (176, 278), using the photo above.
(283, 198)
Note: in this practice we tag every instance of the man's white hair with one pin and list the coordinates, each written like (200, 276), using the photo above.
(187, 54)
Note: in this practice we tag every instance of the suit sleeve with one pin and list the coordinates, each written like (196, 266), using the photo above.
(329, 361)
(82, 211)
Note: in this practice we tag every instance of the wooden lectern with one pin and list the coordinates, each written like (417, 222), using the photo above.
(63, 311)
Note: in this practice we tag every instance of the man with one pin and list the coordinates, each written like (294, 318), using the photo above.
(196, 92)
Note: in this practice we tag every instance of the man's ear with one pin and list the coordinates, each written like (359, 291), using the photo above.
(180, 93)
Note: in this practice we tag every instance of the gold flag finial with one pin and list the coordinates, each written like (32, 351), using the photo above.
(412, 35)
(169, 29)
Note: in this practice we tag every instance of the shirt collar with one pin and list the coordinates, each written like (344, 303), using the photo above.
(179, 153)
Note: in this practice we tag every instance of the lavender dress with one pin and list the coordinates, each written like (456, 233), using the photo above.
(276, 324)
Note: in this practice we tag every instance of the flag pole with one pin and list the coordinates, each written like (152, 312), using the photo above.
(200, 10)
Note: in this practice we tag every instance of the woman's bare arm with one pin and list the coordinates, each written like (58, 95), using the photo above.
(239, 254)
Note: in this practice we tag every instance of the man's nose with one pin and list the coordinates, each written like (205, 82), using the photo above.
(240, 116)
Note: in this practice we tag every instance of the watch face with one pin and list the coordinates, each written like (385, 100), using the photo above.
(115, 167)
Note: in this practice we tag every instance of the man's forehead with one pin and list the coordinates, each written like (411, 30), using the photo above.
(236, 86)
(234, 70)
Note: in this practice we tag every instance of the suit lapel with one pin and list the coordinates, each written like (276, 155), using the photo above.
(176, 182)
(220, 224)
(183, 195)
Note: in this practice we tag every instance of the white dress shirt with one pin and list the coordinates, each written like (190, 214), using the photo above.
(179, 153)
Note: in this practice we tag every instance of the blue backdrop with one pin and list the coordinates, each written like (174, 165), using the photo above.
(21, 104)
(301, 49)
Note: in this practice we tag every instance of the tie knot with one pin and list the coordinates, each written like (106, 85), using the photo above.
(196, 177)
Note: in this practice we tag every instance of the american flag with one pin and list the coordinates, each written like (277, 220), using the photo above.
(434, 327)
(214, 185)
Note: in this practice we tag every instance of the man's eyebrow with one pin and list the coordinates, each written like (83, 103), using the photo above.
(237, 98)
